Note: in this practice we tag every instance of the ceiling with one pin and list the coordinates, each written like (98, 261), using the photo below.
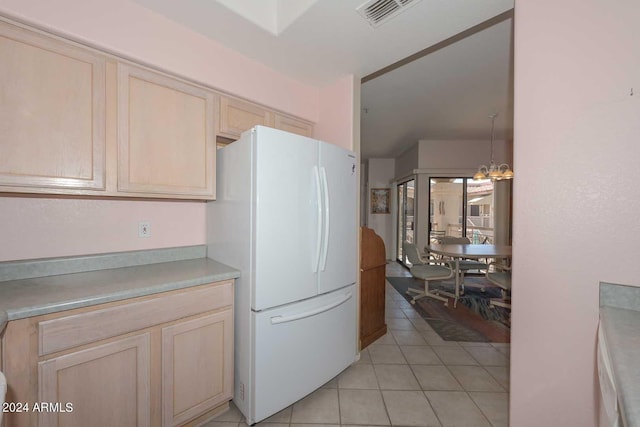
(447, 94)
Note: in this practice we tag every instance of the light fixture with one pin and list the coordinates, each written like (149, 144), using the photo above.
(493, 172)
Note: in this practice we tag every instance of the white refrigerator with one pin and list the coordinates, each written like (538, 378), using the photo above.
(285, 216)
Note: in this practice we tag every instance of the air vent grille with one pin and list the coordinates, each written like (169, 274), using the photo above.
(376, 12)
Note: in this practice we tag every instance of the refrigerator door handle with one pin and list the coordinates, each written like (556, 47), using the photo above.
(275, 320)
(323, 262)
(316, 263)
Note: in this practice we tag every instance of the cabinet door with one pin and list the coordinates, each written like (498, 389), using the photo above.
(238, 116)
(197, 366)
(107, 385)
(166, 143)
(293, 125)
(52, 105)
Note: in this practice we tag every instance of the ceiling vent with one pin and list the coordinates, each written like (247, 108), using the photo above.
(377, 12)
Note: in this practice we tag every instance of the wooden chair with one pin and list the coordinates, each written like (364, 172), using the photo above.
(426, 270)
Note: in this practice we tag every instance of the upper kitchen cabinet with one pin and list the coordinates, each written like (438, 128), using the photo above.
(293, 125)
(237, 116)
(52, 104)
(166, 137)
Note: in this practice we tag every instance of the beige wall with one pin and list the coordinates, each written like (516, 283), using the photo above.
(407, 162)
(576, 199)
(380, 175)
(462, 154)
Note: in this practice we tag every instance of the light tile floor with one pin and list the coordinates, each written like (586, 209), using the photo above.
(409, 377)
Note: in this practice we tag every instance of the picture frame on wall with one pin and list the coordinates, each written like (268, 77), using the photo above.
(380, 200)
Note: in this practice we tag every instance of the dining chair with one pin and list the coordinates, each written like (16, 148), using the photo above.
(500, 274)
(426, 270)
(436, 236)
(464, 265)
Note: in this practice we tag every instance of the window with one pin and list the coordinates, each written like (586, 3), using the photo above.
(461, 207)
(405, 216)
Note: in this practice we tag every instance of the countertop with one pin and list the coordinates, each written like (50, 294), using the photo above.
(620, 323)
(622, 334)
(33, 296)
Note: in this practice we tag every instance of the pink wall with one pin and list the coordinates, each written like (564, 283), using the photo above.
(42, 228)
(576, 199)
(335, 120)
(33, 228)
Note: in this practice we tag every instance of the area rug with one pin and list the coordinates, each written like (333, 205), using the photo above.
(471, 320)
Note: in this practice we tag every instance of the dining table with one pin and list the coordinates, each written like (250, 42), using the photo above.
(467, 251)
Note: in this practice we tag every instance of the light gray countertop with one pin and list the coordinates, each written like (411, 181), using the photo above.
(620, 320)
(622, 334)
(35, 296)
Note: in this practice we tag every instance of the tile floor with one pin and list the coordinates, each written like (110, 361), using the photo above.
(409, 377)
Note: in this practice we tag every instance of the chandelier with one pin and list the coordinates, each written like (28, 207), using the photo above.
(493, 172)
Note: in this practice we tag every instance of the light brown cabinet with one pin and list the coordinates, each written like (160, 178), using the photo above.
(293, 125)
(52, 106)
(237, 116)
(372, 287)
(166, 140)
(194, 375)
(108, 382)
(77, 121)
(165, 359)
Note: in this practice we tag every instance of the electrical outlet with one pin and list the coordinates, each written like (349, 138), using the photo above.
(144, 229)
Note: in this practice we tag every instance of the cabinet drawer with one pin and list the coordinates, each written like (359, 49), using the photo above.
(83, 328)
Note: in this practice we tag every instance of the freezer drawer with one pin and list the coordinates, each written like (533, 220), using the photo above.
(299, 347)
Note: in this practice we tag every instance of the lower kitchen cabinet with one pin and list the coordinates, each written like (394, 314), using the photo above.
(106, 385)
(159, 360)
(193, 358)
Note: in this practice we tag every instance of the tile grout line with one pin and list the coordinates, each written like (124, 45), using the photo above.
(414, 329)
(480, 409)
(414, 374)
(454, 377)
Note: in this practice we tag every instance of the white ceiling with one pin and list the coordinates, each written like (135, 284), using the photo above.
(448, 94)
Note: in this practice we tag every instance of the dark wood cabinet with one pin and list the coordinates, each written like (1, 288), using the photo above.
(372, 287)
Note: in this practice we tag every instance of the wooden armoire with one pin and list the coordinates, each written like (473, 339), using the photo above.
(372, 287)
